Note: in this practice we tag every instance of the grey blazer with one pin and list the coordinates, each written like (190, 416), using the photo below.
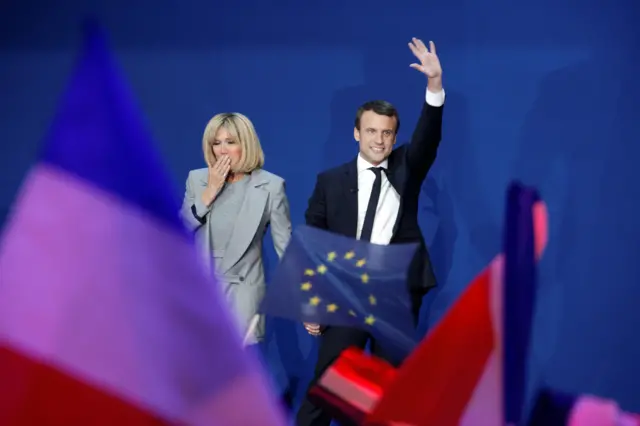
(240, 269)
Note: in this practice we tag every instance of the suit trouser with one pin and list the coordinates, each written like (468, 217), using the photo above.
(333, 341)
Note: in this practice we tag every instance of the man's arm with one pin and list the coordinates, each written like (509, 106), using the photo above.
(423, 148)
(316, 214)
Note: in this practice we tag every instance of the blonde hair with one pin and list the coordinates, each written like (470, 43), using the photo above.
(242, 131)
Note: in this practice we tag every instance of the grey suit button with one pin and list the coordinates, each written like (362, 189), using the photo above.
(241, 279)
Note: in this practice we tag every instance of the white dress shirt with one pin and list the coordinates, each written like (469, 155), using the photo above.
(389, 201)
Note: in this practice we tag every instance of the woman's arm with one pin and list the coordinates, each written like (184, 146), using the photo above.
(193, 212)
(280, 220)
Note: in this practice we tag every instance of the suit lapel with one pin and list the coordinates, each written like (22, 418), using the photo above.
(350, 195)
(247, 222)
(396, 173)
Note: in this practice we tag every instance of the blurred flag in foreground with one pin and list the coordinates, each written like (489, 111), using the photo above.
(470, 369)
(106, 317)
(330, 279)
(352, 386)
(460, 373)
(559, 409)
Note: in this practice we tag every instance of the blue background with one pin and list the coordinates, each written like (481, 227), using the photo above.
(543, 91)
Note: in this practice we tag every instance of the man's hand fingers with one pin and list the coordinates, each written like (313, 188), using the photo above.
(418, 67)
(432, 47)
(414, 50)
(313, 329)
(420, 45)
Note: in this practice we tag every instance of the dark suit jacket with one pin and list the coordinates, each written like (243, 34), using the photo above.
(333, 206)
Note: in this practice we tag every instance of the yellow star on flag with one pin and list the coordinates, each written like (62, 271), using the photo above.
(331, 256)
(372, 299)
(369, 320)
(360, 263)
(349, 255)
(305, 286)
(309, 272)
(322, 269)
(365, 278)
(332, 307)
(314, 301)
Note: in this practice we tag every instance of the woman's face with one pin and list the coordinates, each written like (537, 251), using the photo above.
(224, 145)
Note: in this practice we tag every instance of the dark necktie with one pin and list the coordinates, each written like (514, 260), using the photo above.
(367, 227)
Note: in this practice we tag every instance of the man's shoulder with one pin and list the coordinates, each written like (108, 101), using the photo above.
(335, 172)
(399, 150)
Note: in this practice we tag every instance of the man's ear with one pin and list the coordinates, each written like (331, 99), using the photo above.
(356, 134)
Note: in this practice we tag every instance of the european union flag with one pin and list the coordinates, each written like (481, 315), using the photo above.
(330, 279)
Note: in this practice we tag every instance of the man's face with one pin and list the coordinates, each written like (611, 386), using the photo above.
(376, 136)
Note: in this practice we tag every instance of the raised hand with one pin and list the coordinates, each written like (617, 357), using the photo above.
(217, 175)
(429, 63)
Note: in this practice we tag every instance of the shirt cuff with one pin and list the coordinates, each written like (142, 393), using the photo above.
(435, 99)
(200, 209)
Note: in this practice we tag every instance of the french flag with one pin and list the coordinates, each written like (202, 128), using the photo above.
(470, 369)
(106, 317)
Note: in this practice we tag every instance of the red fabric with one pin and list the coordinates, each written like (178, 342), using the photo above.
(436, 382)
(35, 394)
(355, 367)
(339, 409)
(364, 370)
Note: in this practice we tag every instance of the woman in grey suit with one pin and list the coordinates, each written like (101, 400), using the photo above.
(229, 205)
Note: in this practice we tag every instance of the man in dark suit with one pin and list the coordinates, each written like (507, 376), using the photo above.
(375, 198)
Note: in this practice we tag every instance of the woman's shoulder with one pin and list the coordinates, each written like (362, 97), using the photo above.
(267, 177)
(202, 173)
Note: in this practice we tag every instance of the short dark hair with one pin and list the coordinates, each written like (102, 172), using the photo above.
(380, 108)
